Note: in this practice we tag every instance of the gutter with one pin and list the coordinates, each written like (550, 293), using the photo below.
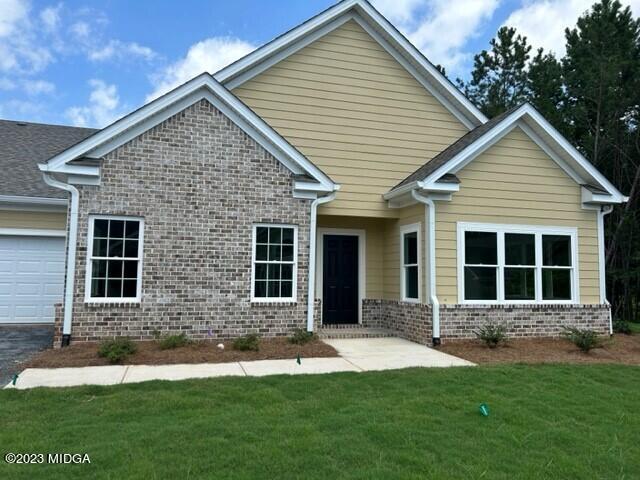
(311, 281)
(71, 253)
(430, 251)
(604, 210)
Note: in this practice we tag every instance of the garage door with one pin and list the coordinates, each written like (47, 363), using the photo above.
(31, 278)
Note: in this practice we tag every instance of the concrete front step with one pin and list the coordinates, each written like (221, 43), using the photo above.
(356, 331)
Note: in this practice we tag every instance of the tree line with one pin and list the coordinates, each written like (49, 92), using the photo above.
(592, 96)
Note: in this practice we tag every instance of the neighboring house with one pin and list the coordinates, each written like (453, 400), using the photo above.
(331, 177)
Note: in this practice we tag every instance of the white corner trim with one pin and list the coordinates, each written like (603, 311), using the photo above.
(500, 230)
(404, 229)
(33, 232)
(362, 261)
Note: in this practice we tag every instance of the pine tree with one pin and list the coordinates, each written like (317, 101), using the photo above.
(546, 89)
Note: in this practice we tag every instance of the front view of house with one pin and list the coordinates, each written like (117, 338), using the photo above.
(331, 177)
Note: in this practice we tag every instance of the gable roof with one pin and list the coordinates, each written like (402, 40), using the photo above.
(22, 146)
(380, 30)
(469, 146)
(203, 86)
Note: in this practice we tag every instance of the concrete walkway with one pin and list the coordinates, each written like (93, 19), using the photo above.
(356, 355)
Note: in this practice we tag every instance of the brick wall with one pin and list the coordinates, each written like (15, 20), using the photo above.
(200, 183)
(409, 320)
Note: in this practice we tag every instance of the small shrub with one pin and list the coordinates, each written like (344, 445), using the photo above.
(622, 326)
(301, 336)
(173, 341)
(492, 334)
(248, 342)
(585, 339)
(117, 349)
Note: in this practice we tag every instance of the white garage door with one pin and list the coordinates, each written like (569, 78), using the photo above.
(31, 278)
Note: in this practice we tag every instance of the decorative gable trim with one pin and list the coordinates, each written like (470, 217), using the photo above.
(380, 30)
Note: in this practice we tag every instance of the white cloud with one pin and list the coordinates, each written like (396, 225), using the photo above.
(104, 106)
(543, 21)
(38, 87)
(12, 13)
(440, 28)
(50, 17)
(7, 84)
(209, 55)
(80, 30)
(115, 49)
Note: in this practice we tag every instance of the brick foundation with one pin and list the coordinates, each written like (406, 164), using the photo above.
(410, 320)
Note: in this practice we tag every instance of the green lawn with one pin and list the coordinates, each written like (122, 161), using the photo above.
(635, 327)
(554, 421)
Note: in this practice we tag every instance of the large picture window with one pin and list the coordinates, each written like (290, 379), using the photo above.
(410, 263)
(114, 256)
(516, 264)
(274, 263)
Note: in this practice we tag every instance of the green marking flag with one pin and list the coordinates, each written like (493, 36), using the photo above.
(15, 379)
(298, 361)
(484, 409)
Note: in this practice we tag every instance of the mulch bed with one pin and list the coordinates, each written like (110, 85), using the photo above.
(624, 349)
(148, 353)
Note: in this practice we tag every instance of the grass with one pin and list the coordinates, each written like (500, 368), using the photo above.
(551, 421)
(635, 327)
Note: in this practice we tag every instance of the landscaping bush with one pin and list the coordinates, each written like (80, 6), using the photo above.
(117, 349)
(492, 334)
(301, 336)
(248, 342)
(622, 326)
(173, 341)
(585, 339)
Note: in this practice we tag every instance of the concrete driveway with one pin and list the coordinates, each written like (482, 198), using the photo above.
(18, 343)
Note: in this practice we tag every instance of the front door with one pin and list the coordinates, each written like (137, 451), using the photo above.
(340, 279)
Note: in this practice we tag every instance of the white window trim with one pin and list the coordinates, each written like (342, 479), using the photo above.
(412, 228)
(538, 231)
(294, 287)
(89, 270)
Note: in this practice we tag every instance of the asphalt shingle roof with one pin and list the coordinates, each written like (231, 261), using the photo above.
(23, 145)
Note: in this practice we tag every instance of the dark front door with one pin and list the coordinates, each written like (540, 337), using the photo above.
(340, 279)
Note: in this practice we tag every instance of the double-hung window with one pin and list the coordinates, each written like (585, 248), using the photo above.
(410, 263)
(275, 252)
(517, 264)
(114, 259)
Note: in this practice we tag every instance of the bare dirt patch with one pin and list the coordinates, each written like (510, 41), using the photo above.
(624, 349)
(149, 353)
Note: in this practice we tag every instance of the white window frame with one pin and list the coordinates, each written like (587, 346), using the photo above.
(536, 230)
(87, 288)
(412, 228)
(294, 263)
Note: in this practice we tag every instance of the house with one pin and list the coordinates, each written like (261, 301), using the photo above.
(333, 177)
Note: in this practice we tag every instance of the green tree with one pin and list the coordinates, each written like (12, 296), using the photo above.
(546, 89)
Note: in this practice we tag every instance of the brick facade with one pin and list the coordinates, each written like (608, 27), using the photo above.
(200, 183)
(413, 321)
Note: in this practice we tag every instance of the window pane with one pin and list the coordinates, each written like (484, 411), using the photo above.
(287, 272)
(132, 229)
(115, 269)
(261, 289)
(98, 288)
(519, 284)
(556, 284)
(411, 282)
(287, 253)
(116, 228)
(130, 269)
(287, 236)
(99, 269)
(480, 283)
(410, 248)
(519, 249)
(131, 248)
(556, 250)
(287, 289)
(274, 272)
(262, 235)
(274, 252)
(100, 247)
(261, 271)
(115, 248)
(129, 288)
(273, 288)
(261, 252)
(114, 288)
(481, 248)
(275, 235)
(100, 228)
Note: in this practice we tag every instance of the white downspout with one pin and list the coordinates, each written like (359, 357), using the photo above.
(311, 296)
(601, 261)
(71, 254)
(430, 274)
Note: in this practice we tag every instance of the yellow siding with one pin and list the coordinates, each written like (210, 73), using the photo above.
(348, 106)
(37, 220)
(515, 182)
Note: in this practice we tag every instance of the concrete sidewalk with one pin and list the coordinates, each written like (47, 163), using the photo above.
(356, 355)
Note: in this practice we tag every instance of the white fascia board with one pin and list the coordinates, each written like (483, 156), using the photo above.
(88, 170)
(589, 197)
(17, 199)
(378, 27)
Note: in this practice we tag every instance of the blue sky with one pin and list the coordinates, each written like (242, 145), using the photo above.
(87, 63)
